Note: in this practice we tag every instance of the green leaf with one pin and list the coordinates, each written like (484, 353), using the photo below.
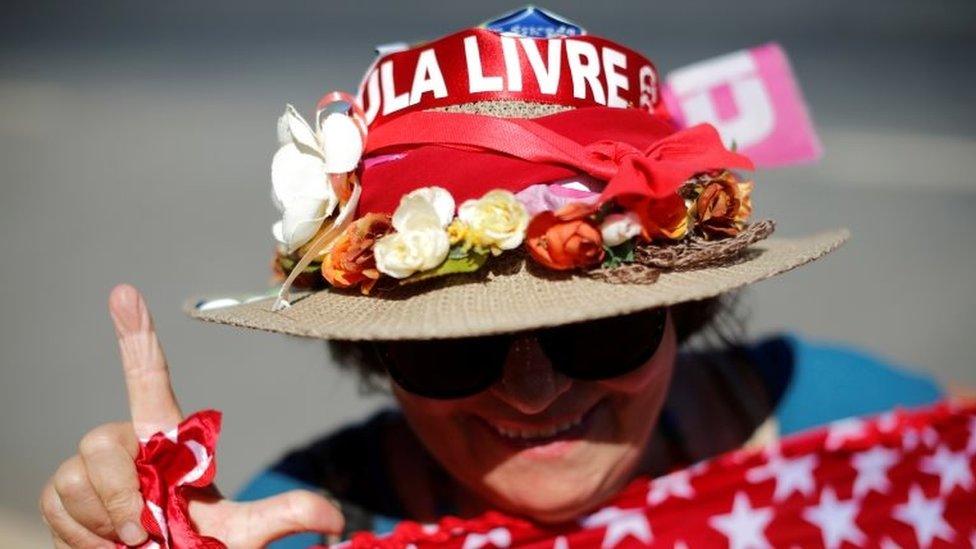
(457, 261)
(458, 252)
(619, 254)
(288, 263)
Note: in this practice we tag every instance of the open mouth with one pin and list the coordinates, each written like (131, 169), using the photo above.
(533, 434)
(532, 437)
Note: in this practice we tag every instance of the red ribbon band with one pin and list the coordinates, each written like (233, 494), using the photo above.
(633, 171)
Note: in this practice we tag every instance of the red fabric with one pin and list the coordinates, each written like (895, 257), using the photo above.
(904, 479)
(636, 82)
(639, 155)
(170, 467)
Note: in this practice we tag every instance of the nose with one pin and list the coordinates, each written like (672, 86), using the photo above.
(529, 383)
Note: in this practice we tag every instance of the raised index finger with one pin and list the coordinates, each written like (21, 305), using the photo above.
(151, 400)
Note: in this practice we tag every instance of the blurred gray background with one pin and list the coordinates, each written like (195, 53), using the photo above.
(135, 145)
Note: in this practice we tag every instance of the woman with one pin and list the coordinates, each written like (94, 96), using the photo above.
(520, 388)
(512, 445)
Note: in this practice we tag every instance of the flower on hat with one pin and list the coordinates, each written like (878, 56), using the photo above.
(301, 186)
(495, 222)
(403, 254)
(420, 242)
(566, 239)
(662, 218)
(722, 206)
(424, 208)
(351, 260)
(618, 228)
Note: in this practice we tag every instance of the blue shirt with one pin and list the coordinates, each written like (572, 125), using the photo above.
(811, 384)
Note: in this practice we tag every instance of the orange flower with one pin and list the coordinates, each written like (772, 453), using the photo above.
(565, 239)
(723, 206)
(664, 218)
(351, 262)
(660, 218)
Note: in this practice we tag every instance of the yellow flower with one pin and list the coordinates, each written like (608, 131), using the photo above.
(458, 233)
(495, 222)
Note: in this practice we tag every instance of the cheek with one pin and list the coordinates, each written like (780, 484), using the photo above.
(636, 399)
(438, 423)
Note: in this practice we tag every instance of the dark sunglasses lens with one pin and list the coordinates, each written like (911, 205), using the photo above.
(448, 368)
(605, 348)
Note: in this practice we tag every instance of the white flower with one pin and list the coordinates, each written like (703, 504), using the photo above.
(402, 254)
(420, 243)
(439, 198)
(424, 208)
(618, 228)
(300, 170)
(496, 220)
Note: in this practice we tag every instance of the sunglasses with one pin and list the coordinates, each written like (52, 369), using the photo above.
(589, 351)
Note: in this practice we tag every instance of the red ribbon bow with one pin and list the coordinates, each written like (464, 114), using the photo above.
(655, 172)
(170, 466)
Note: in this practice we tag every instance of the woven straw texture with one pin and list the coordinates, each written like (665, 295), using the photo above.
(506, 109)
(522, 298)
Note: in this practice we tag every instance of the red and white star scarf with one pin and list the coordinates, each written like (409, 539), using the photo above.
(902, 479)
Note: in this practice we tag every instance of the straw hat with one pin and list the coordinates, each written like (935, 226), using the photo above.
(605, 208)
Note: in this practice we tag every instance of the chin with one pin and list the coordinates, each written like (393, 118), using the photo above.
(553, 495)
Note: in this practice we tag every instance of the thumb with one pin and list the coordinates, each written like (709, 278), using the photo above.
(264, 521)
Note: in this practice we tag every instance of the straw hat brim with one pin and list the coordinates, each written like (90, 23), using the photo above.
(521, 299)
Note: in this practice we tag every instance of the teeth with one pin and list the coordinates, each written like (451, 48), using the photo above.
(538, 433)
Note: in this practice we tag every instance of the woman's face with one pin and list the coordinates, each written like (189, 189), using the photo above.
(539, 443)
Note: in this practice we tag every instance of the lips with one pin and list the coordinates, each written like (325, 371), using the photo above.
(546, 432)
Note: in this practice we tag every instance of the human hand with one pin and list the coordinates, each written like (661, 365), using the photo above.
(93, 499)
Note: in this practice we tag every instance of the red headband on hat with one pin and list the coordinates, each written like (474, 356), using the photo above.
(618, 133)
(482, 65)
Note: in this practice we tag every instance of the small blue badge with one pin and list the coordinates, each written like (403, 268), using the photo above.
(534, 22)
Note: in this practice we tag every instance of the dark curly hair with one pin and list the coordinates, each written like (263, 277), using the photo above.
(712, 323)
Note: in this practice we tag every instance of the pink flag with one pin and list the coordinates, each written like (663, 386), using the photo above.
(753, 99)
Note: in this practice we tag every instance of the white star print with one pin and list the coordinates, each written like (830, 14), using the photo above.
(620, 523)
(952, 469)
(887, 421)
(843, 430)
(743, 526)
(872, 470)
(675, 484)
(887, 543)
(836, 520)
(924, 516)
(792, 475)
(909, 440)
(927, 437)
(560, 543)
(497, 537)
